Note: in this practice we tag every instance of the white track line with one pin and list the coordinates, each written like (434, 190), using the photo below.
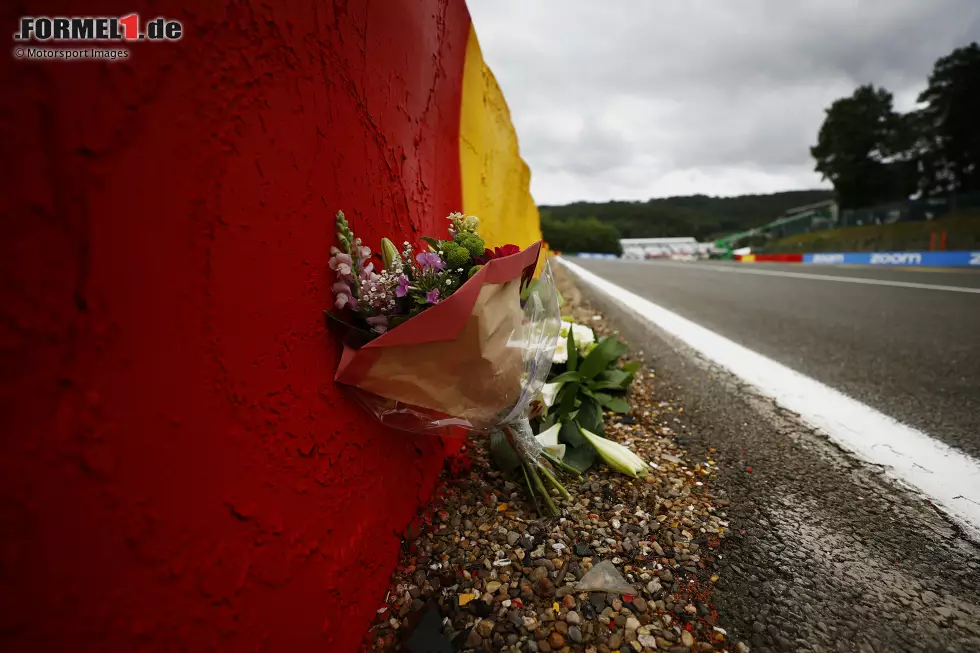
(949, 478)
(820, 277)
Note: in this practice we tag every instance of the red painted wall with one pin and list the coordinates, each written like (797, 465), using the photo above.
(177, 469)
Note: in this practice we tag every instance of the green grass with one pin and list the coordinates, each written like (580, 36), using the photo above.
(962, 232)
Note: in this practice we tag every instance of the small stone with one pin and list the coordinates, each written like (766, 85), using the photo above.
(485, 628)
(632, 623)
(556, 640)
(465, 598)
(582, 550)
(598, 600)
(531, 646)
(568, 601)
(654, 586)
(690, 609)
(539, 573)
(561, 627)
(493, 586)
(544, 588)
(640, 604)
(742, 647)
(575, 634)
(648, 641)
(614, 641)
(513, 537)
(617, 605)
(474, 640)
(687, 638)
(573, 617)
(544, 646)
(480, 608)
(530, 623)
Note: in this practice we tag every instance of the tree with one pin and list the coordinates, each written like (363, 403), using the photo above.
(950, 123)
(580, 235)
(865, 149)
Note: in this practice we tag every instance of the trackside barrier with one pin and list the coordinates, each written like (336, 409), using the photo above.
(773, 258)
(915, 259)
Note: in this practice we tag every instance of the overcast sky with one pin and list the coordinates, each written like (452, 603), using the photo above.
(632, 99)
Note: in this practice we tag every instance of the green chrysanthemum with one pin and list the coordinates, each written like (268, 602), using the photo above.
(455, 256)
(472, 242)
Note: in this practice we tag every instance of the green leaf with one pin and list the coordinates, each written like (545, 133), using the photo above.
(580, 458)
(572, 363)
(605, 385)
(571, 435)
(568, 399)
(619, 377)
(605, 354)
(589, 416)
(502, 454)
(433, 243)
(632, 368)
(546, 423)
(615, 404)
(566, 376)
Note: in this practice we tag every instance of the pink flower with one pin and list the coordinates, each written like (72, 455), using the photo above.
(340, 263)
(432, 297)
(364, 253)
(402, 289)
(379, 322)
(343, 297)
(430, 260)
(367, 273)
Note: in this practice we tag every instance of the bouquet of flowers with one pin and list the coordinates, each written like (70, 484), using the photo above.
(449, 333)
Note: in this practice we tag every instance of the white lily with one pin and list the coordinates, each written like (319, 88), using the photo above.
(548, 439)
(549, 392)
(584, 339)
(616, 455)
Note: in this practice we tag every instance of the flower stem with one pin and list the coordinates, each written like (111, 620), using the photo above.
(554, 482)
(562, 466)
(530, 489)
(539, 486)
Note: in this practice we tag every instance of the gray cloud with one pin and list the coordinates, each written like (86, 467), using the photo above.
(637, 99)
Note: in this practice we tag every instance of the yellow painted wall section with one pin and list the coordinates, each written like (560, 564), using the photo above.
(496, 181)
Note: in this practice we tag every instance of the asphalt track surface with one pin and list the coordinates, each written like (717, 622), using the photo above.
(825, 553)
(912, 353)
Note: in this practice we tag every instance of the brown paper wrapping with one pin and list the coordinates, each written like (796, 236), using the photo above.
(457, 359)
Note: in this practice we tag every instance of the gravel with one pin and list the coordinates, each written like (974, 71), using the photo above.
(505, 580)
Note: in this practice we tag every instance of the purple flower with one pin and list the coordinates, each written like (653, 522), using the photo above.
(402, 289)
(430, 260)
(432, 297)
(379, 322)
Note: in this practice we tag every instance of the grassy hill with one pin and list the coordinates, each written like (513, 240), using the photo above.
(700, 216)
(962, 232)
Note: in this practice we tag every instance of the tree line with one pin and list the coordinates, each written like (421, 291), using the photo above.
(580, 235)
(873, 154)
(700, 216)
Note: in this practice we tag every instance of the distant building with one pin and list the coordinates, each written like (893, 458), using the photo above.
(661, 247)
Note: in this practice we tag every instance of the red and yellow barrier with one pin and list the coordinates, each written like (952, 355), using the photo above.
(178, 471)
